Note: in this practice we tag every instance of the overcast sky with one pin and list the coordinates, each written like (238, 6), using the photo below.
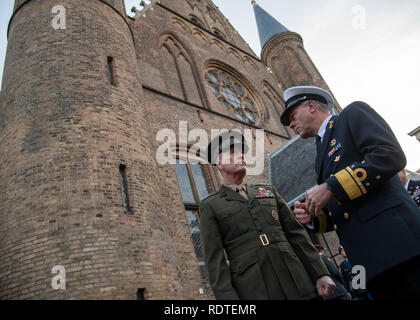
(366, 50)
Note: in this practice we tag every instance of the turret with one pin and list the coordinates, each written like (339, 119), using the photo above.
(284, 54)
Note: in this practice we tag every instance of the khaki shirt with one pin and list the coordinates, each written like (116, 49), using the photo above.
(239, 188)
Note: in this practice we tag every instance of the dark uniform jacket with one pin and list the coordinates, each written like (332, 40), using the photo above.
(414, 191)
(270, 253)
(345, 268)
(375, 218)
(340, 293)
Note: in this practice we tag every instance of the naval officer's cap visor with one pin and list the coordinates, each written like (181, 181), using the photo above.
(295, 101)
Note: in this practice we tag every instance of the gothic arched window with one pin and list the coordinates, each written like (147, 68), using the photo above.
(233, 95)
(219, 33)
(196, 21)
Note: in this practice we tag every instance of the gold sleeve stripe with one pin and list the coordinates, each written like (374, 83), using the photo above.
(322, 222)
(348, 184)
(356, 178)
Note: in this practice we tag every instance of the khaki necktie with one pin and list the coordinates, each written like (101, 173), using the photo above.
(241, 189)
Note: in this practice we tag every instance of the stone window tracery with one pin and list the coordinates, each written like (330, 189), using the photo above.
(233, 95)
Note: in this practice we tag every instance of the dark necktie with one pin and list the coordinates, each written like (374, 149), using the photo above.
(318, 144)
(242, 191)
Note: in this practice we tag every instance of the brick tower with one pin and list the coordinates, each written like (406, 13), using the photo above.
(74, 135)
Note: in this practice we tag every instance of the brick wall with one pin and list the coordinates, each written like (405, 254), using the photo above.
(64, 133)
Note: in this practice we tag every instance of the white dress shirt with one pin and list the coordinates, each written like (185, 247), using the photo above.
(321, 133)
(323, 128)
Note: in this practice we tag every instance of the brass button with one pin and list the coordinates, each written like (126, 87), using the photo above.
(330, 214)
(346, 215)
(335, 227)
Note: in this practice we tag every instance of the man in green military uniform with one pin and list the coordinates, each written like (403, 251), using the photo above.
(269, 252)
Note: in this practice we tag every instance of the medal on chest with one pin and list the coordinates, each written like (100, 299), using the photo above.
(264, 193)
(334, 150)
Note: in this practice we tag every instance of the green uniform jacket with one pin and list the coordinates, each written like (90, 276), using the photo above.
(270, 254)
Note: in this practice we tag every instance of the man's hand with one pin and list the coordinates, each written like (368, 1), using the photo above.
(317, 198)
(302, 215)
(325, 286)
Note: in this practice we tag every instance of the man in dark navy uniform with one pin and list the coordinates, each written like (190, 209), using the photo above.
(358, 193)
(412, 186)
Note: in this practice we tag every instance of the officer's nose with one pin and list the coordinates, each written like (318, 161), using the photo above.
(292, 124)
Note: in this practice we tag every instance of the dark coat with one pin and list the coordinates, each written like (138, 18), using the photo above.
(345, 268)
(374, 217)
(340, 293)
(414, 191)
(270, 253)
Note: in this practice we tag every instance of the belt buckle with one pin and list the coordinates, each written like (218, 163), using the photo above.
(264, 240)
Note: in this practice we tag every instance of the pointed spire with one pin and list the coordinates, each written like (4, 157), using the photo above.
(268, 27)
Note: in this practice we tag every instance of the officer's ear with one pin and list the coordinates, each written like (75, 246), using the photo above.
(312, 106)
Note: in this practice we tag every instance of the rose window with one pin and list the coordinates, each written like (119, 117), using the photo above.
(232, 95)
